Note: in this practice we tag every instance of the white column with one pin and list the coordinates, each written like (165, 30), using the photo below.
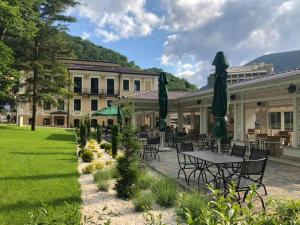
(201, 120)
(235, 124)
(295, 122)
(242, 119)
(205, 120)
(192, 120)
(180, 120)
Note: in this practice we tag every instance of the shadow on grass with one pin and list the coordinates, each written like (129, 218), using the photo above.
(41, 177)
(26, 205)
(43, 153)
(61, 137)
(70, 130)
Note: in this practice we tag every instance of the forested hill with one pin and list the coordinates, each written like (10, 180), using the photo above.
(84, 49)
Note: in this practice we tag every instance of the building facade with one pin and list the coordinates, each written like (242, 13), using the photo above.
(95, 85)
(237, 74)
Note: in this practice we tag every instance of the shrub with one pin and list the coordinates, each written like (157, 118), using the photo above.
(103, 177)
(99, 154)
(82, 134)
(194, 202)
(109, 152)
(165, 191)
(108, 162)
(107, 147)
(80, 152)
(87, 156)
(143, 201)
(102, 146)
(93, 167)
(98, 134)
(145, 180)
(89, 169)
(128, 165)
(114, 140)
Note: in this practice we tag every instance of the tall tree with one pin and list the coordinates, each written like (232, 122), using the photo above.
(15, 21)
(46, 78)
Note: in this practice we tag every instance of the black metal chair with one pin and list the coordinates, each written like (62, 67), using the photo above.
(202, 142)
(183, 162)
(238, 150)
(226, 144)
(180, 137)
(151, 148)
(256, 153)
(251, 173)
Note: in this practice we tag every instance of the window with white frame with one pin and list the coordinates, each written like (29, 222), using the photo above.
(288, 121)
(77, 104)
(275, 120)
(94, 105)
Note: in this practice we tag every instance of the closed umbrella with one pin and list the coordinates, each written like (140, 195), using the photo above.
(163, 106)
(219, 104)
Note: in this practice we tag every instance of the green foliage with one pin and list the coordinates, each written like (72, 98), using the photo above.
(92, 168)
(83, 134)
(87, 123)
(176, 83)
(69, 216)
(145, 180)
(152, 219)
(194, 202)
(103, 178)
(115, 140)
(98, 133)
(165, 192)
(128, 165)
(87, 156)
(107, 147)
(143, 201)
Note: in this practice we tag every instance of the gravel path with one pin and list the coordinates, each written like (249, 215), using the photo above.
(103, 206)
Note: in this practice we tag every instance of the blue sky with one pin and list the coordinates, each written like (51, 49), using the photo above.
(182, 36)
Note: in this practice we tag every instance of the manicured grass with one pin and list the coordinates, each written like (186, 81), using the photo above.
(36, 167)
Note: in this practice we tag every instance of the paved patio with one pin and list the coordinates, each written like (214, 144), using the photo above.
(280, 179)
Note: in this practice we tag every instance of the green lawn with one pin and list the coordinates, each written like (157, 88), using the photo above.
(36, 167)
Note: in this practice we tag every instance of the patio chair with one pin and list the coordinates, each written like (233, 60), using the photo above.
(238, 150)
(226, 144)
(256, 153)
(183, 162)
(151, 148)
(202, 141)
(251, 172)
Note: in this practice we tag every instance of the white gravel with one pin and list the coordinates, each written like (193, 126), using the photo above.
(102, 206)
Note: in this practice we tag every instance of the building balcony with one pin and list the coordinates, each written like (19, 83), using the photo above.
(96, 92)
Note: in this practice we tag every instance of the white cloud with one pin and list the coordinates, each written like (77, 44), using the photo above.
(115, 20)
(188, 14)
(85, 35)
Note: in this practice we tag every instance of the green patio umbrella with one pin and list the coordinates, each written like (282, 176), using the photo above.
(107, 111)
(163, 101)
(219, 104)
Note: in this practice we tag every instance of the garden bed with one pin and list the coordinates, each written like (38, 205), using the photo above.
(101, 206)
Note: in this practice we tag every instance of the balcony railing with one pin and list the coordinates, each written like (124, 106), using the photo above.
(97, 92)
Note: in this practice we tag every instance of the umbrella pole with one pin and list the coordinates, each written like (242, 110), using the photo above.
(162, 139)
(219, 145)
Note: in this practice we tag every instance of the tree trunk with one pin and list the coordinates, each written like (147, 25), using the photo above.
(2, 33)
(35, 76)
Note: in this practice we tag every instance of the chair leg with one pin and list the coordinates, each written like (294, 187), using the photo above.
(265, 189)
(245, 195)
(262, 201)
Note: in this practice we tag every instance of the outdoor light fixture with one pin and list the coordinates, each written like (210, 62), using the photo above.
(232, 97)
(199, 101)
(292, 88)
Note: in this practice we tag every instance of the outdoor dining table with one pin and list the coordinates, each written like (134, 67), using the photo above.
(204, 161)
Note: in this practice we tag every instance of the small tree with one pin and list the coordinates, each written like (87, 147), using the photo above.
(99, 133)
(128, 165)
(114, 140)
(87, 122)
(83, 134)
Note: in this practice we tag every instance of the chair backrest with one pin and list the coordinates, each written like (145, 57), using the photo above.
(238, 150)
(202, 136)
(283, 133)
(181, 134)
(274, 138)
(253, 167)
(153, 141)
(226, 142)
(256, 153)
(143, 135)
(261, 135)
(184, 147)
